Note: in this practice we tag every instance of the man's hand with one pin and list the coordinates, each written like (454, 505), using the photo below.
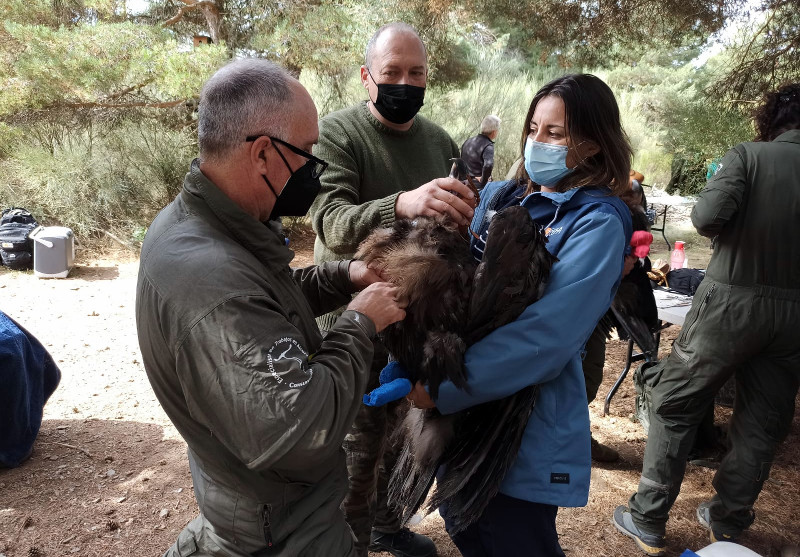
(361, 275)
(378, 301)
(438, 197)
(420, 398)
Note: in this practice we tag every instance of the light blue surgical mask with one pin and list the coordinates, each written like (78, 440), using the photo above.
(546, 163)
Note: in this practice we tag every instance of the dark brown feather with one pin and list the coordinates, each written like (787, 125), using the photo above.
(452, 303)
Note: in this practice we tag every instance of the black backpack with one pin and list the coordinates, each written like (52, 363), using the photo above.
(16, 248)
(685, 281)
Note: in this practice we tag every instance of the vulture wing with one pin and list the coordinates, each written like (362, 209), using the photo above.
(479, 445)
(511, 276)
(512, 273)
(429, 260)
(634, 308)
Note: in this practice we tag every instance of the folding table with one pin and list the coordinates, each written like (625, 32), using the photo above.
(672, 309)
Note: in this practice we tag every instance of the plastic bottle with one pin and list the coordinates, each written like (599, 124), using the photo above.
(678, 257)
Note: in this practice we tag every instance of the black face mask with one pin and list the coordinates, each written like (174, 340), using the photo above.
(398, 103)
(298, 194)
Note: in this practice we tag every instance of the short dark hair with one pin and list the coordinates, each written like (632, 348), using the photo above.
(779, 113)
(394, 26)
(592, 114)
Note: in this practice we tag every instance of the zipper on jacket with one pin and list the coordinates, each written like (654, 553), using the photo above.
(267, 529)
(700, 311)
(555, 217)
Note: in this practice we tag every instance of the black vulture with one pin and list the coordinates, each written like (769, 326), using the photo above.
(633, 310)
(454, 301)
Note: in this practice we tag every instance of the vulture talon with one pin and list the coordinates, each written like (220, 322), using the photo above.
(460, 172)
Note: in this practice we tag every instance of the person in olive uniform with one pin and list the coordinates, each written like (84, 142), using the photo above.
(227, 329)
(743, 323)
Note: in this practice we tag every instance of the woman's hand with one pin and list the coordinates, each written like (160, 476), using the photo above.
(419, 397)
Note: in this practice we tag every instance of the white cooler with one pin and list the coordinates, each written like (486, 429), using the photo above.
(53, 251)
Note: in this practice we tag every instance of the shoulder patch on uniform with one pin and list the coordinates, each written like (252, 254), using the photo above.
(288, 363)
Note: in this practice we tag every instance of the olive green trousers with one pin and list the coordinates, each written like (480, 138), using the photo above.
(730, 331)
(371, 456)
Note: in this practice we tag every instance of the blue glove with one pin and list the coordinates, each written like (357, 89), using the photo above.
(394, 385)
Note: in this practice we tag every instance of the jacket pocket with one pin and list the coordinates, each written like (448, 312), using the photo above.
(266, 525)
(688, 328)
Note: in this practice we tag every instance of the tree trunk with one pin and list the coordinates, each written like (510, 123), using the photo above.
(213, 12)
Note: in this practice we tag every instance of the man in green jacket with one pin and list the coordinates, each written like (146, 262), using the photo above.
(386, 163)
(744, 323)
(227, 329)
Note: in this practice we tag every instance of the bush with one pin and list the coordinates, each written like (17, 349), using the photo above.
(502, 86)
(113, 179)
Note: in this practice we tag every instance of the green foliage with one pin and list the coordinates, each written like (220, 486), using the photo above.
(107, 179)
(334, 92)
(501, 86)
(110, 65)
(602, 33)
(675, 129)
(763, 56)
(56, 13)
(699, 132)
(326, 40)
(97, 105)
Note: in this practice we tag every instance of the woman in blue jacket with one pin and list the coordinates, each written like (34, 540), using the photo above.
(576, 161)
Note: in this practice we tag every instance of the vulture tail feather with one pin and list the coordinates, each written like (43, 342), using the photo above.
(425, 435)
(466, 503)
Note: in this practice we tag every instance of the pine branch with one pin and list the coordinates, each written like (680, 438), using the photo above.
(168, 104)
(130, 89)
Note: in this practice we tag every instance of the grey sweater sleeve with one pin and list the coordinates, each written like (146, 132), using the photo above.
(339, 216)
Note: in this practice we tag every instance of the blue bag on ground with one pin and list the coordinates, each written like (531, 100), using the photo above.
(28, 376)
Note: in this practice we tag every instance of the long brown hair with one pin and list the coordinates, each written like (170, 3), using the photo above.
(592, 114)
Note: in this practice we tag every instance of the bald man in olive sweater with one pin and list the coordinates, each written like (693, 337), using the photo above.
(385, 163)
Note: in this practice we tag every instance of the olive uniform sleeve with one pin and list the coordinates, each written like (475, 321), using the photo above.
(326, 286)
(249, 377)
(723, 195)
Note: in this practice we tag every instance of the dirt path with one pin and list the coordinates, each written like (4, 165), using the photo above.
(109, 476)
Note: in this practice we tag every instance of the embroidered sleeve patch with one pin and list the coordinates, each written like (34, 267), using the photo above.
(288, 363)
(559, 478)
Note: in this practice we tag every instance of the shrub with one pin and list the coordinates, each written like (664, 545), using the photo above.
(115, 178)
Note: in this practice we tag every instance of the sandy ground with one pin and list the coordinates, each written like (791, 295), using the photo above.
(108, 475)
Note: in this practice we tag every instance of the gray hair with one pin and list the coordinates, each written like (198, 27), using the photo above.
(490, 124)
(245, 97)
(398, 26)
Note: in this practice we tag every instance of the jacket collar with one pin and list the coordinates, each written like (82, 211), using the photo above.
(558, 198)
(792, 136)
(264, 240)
